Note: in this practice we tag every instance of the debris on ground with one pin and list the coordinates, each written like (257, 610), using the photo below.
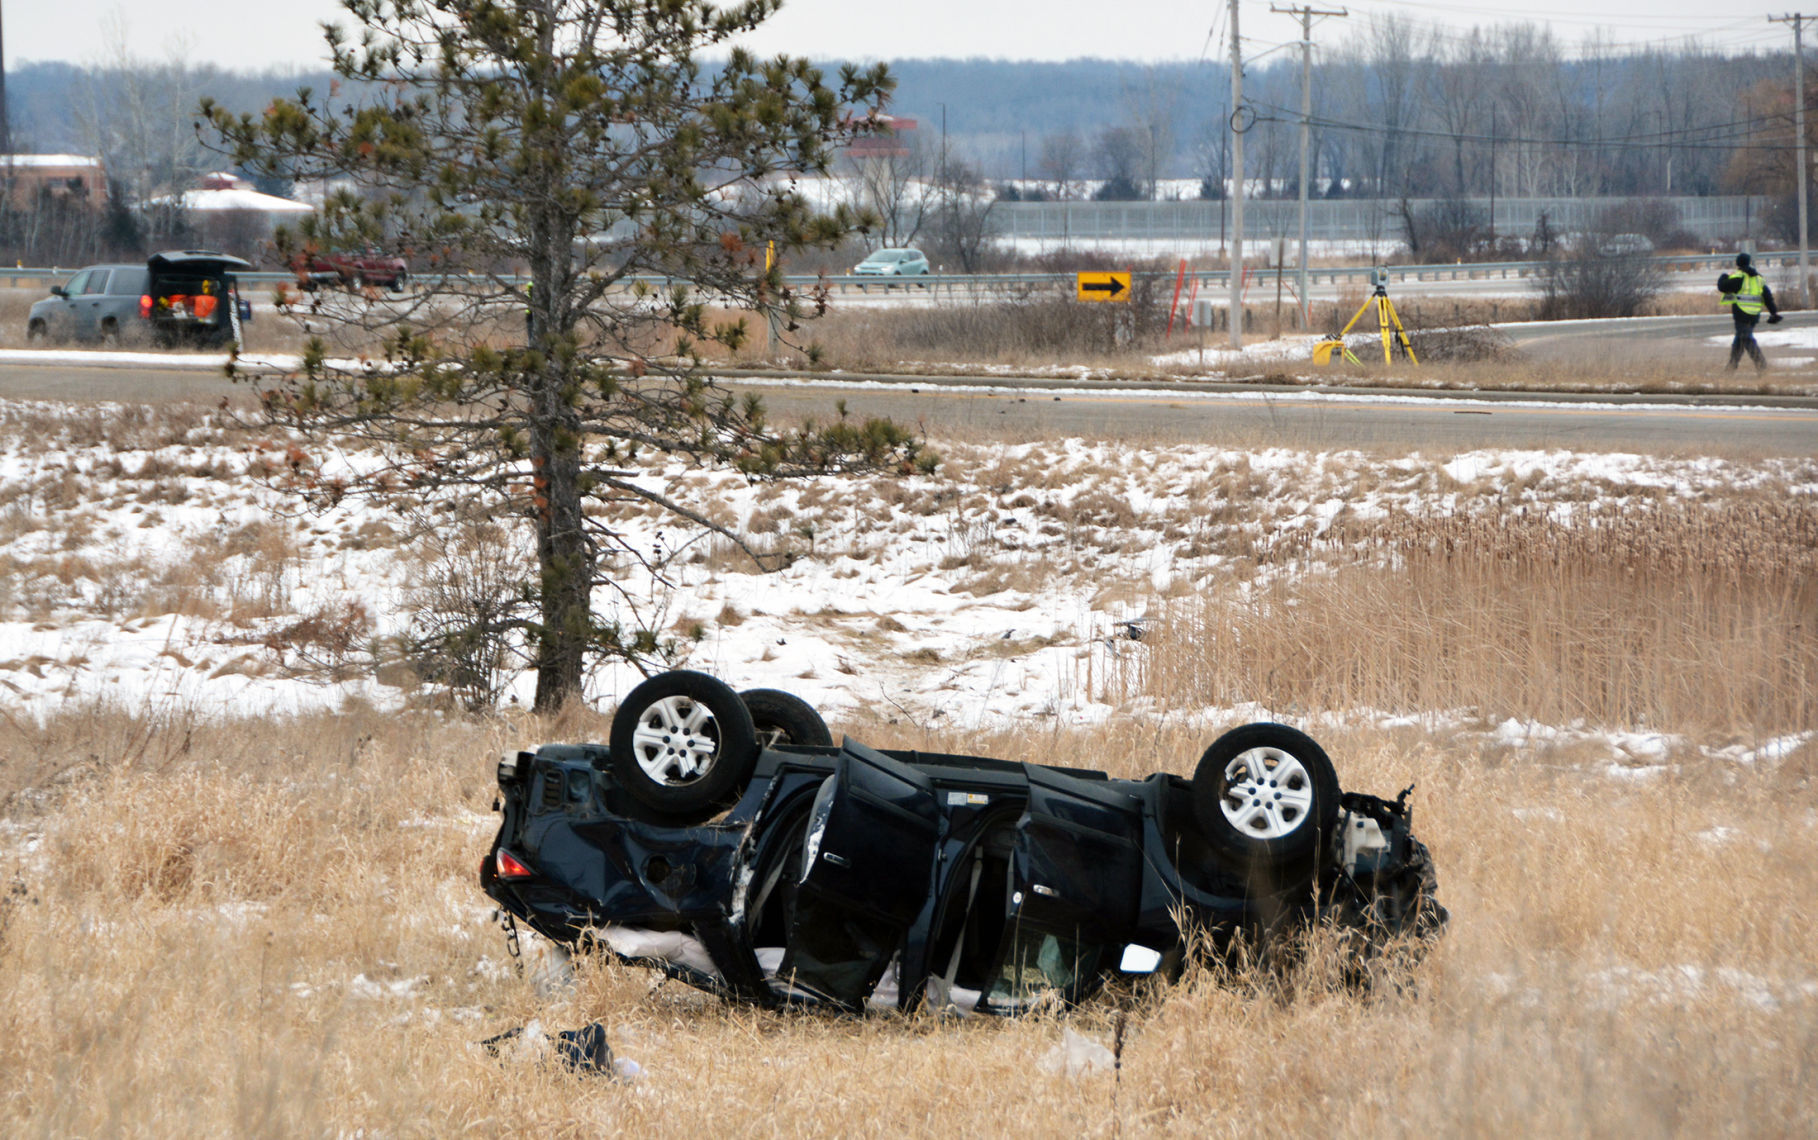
(582, 1050)
(1077, 1055)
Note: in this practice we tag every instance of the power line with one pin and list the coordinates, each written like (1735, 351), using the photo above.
(1645, 141)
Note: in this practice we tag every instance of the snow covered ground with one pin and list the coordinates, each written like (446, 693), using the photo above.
(147, 567)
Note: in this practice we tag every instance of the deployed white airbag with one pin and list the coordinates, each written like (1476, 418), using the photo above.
(670, 946)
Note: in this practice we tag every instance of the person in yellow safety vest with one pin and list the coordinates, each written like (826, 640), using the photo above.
(1747, 294)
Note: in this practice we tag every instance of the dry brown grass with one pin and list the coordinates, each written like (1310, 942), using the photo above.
(206, 936)
(1644, 614)
(271, 926)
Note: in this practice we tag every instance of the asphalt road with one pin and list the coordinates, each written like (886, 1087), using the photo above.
(1643, 340)
(1303, 419)
(1246, 417)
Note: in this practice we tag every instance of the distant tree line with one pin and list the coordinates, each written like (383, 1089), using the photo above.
(1401, 110)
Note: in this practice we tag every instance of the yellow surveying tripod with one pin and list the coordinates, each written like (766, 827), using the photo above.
(1386, 318)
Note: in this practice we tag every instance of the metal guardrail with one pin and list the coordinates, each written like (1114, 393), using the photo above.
(976, 285)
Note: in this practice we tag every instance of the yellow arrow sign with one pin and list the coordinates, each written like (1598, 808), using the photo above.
(1103, 287)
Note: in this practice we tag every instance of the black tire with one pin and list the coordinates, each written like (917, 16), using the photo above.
(1292, 802)
(671, 755)
(784, 718)
(397, 283)
(37, 333)
(110, 334)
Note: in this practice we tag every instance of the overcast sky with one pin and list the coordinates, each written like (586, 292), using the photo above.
(257, 34)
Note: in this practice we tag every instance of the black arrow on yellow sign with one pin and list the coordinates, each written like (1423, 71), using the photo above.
(1102, 287)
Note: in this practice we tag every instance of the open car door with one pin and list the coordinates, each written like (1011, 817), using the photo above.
(867, 869)
(1075, 886)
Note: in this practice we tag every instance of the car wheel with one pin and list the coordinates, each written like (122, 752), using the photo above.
(682, 742)
(784, 718)
(110, 334)
(36, 333)
(1266, 797)
(397, 283)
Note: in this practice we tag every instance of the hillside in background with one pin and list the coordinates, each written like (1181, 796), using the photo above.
(1398, 110)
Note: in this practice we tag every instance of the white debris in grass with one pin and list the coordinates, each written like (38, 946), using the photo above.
(1076, 1055)
(369, 989)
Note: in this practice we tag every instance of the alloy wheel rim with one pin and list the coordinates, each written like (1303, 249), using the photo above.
(1267, 793)
(676, 741)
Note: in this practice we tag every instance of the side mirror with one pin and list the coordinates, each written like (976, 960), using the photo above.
(1139, 960)
(57, 291)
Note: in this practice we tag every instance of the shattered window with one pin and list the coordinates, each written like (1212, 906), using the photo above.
(1039, 962)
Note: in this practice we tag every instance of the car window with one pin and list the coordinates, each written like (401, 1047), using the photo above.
(127, 282)
(96, 283)
(78, 284)
(1037, 962)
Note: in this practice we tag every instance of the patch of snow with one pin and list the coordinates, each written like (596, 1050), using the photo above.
(364, 987)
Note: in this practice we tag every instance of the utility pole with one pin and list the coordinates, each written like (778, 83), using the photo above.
(1237, 184)
(1306, 14)
(6, 134)
(1802, 171)
(943, 161)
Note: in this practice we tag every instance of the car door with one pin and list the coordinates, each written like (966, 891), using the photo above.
(86, 301)
(125, 285)
(1076, 867)
(62, 321)
(868, 866)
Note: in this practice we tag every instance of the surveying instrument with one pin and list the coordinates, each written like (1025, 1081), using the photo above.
(1386, 319)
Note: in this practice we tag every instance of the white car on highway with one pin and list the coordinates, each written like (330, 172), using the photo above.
(893, 263)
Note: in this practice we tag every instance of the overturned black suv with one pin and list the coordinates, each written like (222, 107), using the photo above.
(855, 877)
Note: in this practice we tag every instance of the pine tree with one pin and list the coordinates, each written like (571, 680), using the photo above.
(585, 143)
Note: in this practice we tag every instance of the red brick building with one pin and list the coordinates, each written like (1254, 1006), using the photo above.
(25, 176)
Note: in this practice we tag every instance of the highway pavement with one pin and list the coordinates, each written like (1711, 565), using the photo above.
(1235, 415)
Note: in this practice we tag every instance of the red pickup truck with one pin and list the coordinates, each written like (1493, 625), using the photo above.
(369, 266)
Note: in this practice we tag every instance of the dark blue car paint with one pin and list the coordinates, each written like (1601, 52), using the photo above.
(1093, 864)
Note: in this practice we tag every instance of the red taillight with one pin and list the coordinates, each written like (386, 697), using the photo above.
(145, 306)
(509, 866)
